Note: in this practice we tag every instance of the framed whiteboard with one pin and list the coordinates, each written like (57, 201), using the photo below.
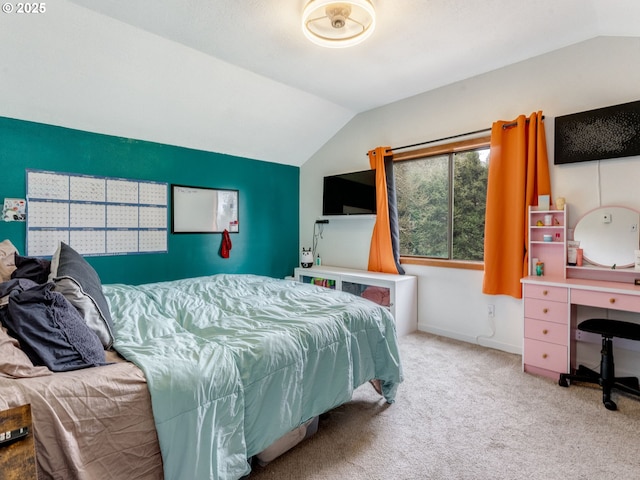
(203, 210)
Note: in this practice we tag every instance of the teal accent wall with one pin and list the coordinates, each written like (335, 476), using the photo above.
(267, 243)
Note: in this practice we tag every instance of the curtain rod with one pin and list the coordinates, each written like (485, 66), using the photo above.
(506, 125)
(441, 139)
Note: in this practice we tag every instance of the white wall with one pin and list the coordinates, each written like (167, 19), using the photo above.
(77, 68)
(593, 74)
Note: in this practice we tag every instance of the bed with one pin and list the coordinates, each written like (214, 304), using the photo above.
(199, 376)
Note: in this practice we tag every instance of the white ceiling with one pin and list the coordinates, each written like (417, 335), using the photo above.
(243, 78)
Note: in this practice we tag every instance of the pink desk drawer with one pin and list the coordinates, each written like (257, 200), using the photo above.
(545, 310)
(545, 355)
(617, 301)
(546, 331)
(555, 294)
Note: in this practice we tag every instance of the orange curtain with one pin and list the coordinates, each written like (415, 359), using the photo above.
(518, 173)
(381, 257)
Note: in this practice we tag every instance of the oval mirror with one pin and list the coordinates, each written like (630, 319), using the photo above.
(609, 236)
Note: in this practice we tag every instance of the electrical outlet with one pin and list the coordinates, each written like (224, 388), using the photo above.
(491, 311)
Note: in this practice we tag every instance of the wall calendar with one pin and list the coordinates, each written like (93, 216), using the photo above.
(95, 215)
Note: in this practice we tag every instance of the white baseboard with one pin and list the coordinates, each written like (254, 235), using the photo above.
(480, 340)
(595, 338)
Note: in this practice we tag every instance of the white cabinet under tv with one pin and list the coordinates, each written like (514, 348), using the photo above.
(399, 293)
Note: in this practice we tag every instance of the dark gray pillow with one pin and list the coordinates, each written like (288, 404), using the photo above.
(50, 330)
(33, 268)
(80, 284)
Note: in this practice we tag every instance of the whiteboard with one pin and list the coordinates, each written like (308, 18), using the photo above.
(203, 210)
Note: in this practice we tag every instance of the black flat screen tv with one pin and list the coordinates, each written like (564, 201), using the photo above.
(350, 194)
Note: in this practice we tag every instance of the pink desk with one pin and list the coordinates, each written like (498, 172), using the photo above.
(550, 318)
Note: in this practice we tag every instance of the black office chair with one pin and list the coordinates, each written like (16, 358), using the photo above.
(606, 378)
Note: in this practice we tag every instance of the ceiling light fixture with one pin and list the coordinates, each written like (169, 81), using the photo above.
(338, 24)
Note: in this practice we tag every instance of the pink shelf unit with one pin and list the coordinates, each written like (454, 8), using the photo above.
(548, 243)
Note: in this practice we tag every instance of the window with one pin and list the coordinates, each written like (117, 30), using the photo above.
(441, 193)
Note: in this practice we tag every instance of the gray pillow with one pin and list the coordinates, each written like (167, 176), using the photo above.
(80, 284)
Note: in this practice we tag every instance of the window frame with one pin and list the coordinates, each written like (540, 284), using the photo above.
(443, 149)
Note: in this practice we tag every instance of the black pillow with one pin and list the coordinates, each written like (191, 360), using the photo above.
(33, 268)
(51, 331)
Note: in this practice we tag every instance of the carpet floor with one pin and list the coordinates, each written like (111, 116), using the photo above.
(468, 412)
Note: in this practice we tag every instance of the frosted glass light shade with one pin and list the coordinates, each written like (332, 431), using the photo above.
(338, 24)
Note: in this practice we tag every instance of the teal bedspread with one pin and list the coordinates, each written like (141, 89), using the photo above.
(233, 362)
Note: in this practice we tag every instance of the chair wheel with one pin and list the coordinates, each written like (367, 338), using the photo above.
(610, 405)
(562, 381)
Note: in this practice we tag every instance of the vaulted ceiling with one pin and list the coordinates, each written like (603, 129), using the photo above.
(238, 76)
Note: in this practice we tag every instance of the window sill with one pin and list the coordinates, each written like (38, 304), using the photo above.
(434, 262)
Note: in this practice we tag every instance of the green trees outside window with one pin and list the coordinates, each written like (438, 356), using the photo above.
(441, 205)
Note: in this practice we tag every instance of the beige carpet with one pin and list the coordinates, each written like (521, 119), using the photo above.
(468, 412)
